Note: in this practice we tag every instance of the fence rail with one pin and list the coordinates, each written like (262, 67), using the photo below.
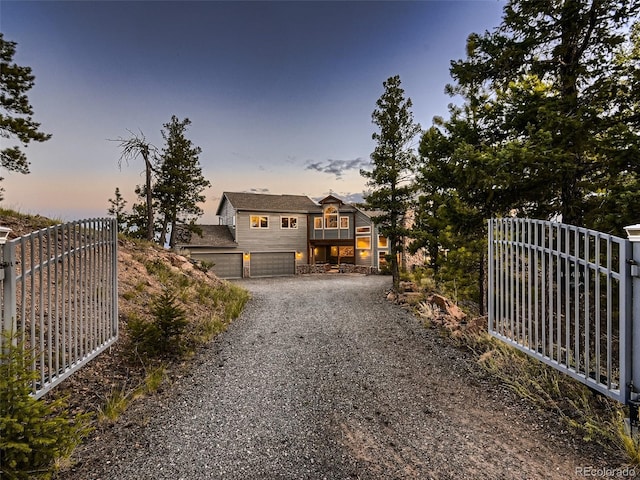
(60, 297)
(563, 295)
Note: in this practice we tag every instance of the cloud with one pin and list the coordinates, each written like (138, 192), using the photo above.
(346, 197)
(352, 197)
(338, 167)
(258, 190)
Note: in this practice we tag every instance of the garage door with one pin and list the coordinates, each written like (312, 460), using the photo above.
(272, 264)
(226, 265)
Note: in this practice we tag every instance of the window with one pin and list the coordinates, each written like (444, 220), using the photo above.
(383, 242)
(317, 223)
(363, 243)
(344, 222)
(346, 252)
(363, 230)
(258, 221)
(382, 258)
(331, 217)
(288, 222)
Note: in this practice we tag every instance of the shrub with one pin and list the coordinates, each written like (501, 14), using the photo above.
(163, 335)
(204, 265)
(170, 319)
(33, 433)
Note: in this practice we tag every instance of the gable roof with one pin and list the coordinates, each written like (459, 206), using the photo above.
(212, 236)
(268, 203)
(331, 199)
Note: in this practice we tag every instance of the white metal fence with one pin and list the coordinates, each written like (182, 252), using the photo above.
(564, 294)
(59, 296)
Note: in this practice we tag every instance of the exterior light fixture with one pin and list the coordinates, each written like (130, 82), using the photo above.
(633, 232)
(4, 235)
(247, 255)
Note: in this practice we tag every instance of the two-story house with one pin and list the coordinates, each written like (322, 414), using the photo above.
(266, 235)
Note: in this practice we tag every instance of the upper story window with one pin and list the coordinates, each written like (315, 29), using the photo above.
(383, 242)
(344, 222)
(363, 230)
(288, 222)
(259, 221)
(317, 223)
(330, 217)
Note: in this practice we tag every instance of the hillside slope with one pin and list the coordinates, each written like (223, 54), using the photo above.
(144, 272)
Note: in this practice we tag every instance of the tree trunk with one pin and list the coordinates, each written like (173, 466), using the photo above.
(150, 233)
(395, 269)
(163, 232)
(172, 237)
(573, 41)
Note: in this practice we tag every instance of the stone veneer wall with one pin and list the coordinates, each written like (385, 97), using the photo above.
(342, 268)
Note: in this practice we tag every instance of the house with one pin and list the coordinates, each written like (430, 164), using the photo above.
(268, 235)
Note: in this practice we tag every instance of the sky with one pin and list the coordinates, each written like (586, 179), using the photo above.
(279, 94)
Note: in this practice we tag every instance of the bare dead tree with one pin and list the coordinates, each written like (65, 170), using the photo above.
(132, 147)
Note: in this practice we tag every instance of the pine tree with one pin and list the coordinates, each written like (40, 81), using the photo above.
(180, 181)
(552, 72)
(117, 209)
(33, 433)
(615, 206)
(137, 220)
(393, 162)
(16, 116)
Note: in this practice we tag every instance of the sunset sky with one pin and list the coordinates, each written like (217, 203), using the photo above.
(280, 94)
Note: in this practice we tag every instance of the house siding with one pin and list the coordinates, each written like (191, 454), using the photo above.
(331, 233)
(365, 257)
(227, 215)
(274, 238)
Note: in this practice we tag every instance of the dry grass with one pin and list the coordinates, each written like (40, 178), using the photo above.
(592, 415)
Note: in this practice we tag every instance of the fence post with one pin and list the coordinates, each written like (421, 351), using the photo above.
(633, 232)
(8, 280)
(490, 275)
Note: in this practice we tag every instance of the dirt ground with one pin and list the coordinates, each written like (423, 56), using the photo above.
(322, 377)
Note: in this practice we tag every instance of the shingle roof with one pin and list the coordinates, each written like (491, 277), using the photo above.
(212, 236)
(269, 203)
(370, 213)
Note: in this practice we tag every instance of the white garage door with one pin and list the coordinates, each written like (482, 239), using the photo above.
(226, 265)
(271, 264)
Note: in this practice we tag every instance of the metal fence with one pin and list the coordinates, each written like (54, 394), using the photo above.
(59, 296)
(563, 294)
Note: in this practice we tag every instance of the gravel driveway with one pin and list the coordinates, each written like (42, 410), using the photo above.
(321, 378)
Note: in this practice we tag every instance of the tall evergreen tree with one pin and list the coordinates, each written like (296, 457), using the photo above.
(547, 128)
(180, 180)
(552, 71)
(614, 207)
(16, 119)
(458, 180)
(393, 164)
